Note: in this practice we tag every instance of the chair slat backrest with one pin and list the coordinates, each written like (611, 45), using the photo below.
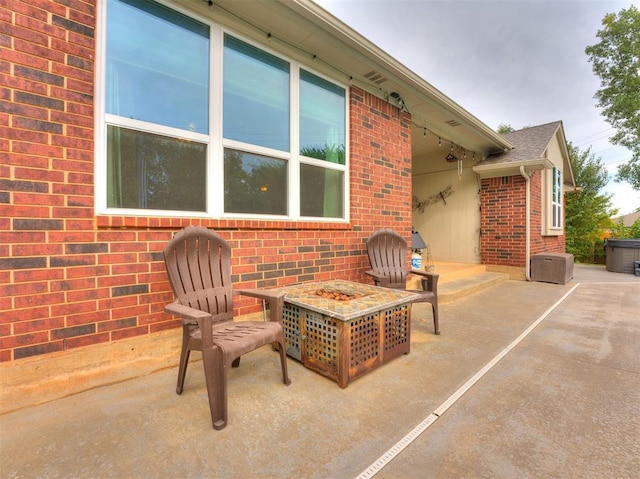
(198, 264)
(387, 254)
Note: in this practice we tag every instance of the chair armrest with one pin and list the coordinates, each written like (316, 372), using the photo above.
(432, 279)
(373, 274)
(275, 300)
(377, 277)
(188, 314)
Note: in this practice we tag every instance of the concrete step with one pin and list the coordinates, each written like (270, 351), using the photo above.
(454, 289)
(453, 271)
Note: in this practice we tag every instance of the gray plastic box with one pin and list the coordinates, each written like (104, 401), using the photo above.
(552, 267)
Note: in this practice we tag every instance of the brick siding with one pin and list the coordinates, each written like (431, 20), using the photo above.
(503, 221)
(70, 279)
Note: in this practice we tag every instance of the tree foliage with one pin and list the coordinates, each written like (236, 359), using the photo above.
(588, 213)
(622, 231)
(635, 229)
(616, 61)
(504, 128)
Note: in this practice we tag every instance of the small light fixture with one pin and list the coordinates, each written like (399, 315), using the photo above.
(264, 188)
(417, 243)
(398, 99)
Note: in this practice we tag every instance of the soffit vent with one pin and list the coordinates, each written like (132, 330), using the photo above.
(452, 123)
(375, 77)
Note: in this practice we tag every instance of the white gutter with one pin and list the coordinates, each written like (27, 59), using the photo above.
(527, 215)
(492, 170)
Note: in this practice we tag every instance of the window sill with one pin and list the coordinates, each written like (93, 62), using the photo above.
(115, 221)
(553, 232)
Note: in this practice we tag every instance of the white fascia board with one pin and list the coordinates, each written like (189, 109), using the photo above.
(495, 170)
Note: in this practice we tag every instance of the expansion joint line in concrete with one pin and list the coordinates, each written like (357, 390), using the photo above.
(383, 460)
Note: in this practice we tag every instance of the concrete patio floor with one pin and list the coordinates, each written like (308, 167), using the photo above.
(562, 402)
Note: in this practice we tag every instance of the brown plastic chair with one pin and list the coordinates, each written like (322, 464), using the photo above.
(198, 263)
(387, 252)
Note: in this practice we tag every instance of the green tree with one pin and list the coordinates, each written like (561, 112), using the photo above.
(635, 229)
(504, 128)
(622, 231)
(616, 61)
(588, 213)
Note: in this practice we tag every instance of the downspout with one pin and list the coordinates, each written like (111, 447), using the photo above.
(527, 215)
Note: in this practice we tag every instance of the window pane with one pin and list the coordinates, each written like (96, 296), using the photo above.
(256, 96)
(321, 192)
(254, 184)
(150, 171)
(157, 65)
(322, 119)
(556, 199)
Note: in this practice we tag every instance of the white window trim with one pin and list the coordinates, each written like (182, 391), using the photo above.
(216, 142)
(548, 204)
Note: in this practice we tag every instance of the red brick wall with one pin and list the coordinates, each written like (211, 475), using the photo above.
(503, 221)
(539, 243)
(69, 278)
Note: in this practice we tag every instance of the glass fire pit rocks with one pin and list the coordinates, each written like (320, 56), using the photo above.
(343, 329)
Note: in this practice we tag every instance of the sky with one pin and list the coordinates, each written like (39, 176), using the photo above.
(514, 62)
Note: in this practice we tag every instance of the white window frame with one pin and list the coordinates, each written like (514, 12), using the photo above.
(215, 141)
(553, 202)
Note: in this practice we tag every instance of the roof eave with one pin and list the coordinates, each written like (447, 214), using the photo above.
(496, 170)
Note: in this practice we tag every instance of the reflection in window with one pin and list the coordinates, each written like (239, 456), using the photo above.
(322, 119)
(254, 184)
(256, 96)
(147, 171)
(157, 65)
(321, 192)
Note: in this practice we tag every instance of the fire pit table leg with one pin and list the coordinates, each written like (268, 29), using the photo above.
(343, 359)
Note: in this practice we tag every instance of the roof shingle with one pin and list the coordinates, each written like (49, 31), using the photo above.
(528, 144)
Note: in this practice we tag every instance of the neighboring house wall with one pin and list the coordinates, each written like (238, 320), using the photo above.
(69, 278)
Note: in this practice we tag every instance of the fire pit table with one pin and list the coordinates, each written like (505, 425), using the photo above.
(342, 329)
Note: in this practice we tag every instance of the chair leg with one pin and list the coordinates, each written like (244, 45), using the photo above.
(283, 363)
(215, 372)
(436, 326)
(184, 360)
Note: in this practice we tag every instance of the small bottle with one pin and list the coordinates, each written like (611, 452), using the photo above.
(416, 260)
